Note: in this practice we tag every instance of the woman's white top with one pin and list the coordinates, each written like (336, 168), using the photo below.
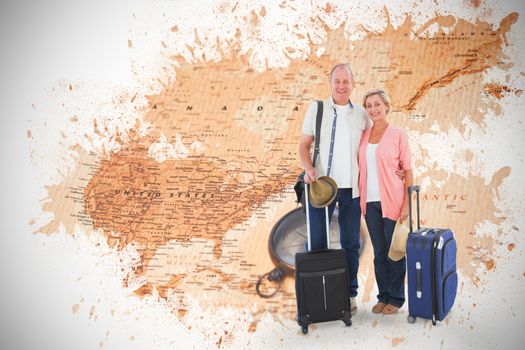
(372, 180)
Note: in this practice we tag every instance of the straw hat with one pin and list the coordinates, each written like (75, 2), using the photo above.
(322, 192)
(398, 246)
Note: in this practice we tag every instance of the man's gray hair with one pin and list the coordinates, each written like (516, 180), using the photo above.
(341, 65)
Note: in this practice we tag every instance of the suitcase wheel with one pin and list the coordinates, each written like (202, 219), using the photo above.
(347, 318)
(411, 319)
(302, 320)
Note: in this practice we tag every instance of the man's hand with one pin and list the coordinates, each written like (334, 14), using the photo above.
(310, 176)
(400, 172)
(304, 155)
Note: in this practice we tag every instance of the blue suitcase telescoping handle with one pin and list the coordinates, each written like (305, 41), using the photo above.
(410, 190)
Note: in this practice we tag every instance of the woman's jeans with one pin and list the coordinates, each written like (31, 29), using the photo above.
(390, 275)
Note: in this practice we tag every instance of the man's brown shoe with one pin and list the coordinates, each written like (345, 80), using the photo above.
(353, 306)
(378, 308)
(390, 309)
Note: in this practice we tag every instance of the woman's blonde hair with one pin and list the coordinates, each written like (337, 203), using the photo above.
(382, 94)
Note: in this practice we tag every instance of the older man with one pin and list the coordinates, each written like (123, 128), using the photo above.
(341, 129)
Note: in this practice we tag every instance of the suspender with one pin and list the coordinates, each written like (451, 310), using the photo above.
(332, 140)
(318, 120)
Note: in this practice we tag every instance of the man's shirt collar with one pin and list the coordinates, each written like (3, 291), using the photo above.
(332, 103)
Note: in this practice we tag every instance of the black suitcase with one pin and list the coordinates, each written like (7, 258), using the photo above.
(321, 283)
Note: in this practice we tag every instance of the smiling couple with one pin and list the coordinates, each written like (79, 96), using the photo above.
(369, 160)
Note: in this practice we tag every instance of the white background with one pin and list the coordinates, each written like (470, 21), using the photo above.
(42, 277)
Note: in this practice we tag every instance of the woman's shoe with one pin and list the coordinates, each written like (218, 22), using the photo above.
(378, 308)
(390, 309)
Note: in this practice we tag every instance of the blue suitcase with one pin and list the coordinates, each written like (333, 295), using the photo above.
(431, 269)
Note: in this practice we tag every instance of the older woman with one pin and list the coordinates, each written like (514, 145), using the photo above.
(383, 151)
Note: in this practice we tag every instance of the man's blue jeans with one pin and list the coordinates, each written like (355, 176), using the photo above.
(390, 275)
(349, 228)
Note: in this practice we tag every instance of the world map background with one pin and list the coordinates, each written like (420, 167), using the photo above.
(71, 282)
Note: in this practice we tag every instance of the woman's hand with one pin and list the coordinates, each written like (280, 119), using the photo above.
(404, 213)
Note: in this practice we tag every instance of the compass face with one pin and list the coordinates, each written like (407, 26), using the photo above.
(288, 237)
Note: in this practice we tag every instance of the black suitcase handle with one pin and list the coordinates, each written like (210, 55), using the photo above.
(327, 222)
(411, 189)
